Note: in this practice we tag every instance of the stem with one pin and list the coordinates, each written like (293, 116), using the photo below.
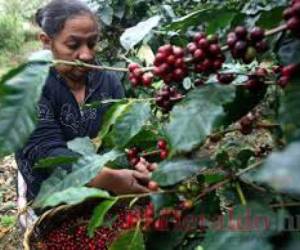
(241, 194)
(267, 126)
(289, 204)
(228, 179)
(87, 65)
(155, 152)
(128, 196)
(276, 30)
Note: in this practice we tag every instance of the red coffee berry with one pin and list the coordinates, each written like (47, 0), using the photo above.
(287, 13)
(137, 72)
(293, 24)
(231, 41)
(171, 59)
(240, 48)
(214, 49)
(162, 144)
(257, 34)
(147, 79)
(164, 154)
(134, 161)
(166, 49)
(133, 66)
(261, 72)
(296, 9)
(203, 43)
(178, 52)
(262, 46)
(289, 70)
(199, 82)
(217, 64)
(225, 78)
(283, 81)
(161, 225)
(153, 186)
(241, 32)
(199, 55)
(198, 36)
(191, 47)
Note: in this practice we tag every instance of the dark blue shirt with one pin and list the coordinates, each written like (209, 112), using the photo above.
(60, 119)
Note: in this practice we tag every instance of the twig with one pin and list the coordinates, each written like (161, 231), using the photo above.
(91, 66)
(128, 196)
(289, 204)
(241, 194)
(228, 179)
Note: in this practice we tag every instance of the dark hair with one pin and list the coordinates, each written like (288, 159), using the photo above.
(53, 16)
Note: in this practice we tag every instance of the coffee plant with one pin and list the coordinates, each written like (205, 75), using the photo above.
(215, 105)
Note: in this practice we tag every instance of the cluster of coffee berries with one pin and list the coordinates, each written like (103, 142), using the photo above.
(169, 64)
(133, 156)
(256, 80)
(166, 97)
(286, 73)
(225, 78)
(246, 124)
(163, 148)
(72, 235)
(245, 45)
(206, 53)
(292, 16)
(138, 77)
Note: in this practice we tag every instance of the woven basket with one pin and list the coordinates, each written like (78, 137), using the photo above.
(52, 218)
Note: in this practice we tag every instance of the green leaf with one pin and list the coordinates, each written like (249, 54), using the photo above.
(172, 172)
(270, 18)
(243, 102)
(74, 195)
(110, 118)
(166, 240)
(51, 162)
(130, 123)
(161, 201)
(83, 172)
(243, 157)
(219, 18)
(106, 14)
(20, 91)
(99, 214)
(193, 119)
(134, 35)
(187, 21)
(281, 170)
(131, 240)
(223, 20)
(289, 52)
(82, 145)
(289, 112)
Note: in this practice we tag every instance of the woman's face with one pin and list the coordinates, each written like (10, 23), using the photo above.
(77, 41)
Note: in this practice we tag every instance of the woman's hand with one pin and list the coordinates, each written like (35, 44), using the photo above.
(125, 181)
(121, 181)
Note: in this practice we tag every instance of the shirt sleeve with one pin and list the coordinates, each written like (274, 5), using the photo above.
(47, 140)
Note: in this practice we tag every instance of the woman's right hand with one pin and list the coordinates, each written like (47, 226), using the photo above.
(122, 181)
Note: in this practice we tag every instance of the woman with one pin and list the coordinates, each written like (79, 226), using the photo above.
(70, 31)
